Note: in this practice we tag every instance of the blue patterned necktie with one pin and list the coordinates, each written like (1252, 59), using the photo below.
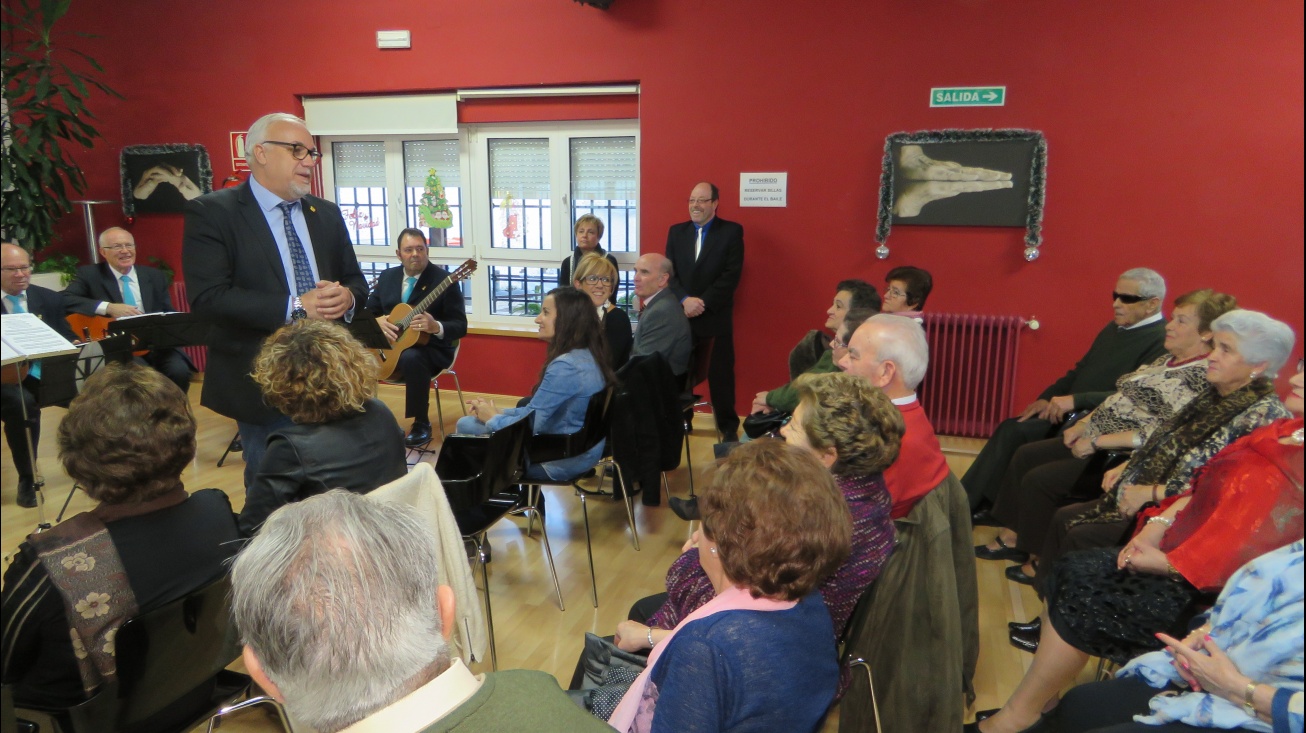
(127, 297)
(298, 257)
(17, 302)
(408, 289)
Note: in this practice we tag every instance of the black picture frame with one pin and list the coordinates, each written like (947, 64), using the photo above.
(964, 178)
(160, 179)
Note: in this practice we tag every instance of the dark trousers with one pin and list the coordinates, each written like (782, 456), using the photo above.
(984, 477)
(1108, 707)
(172, 364)
(1062, 538)
(721, 383)
(12, 397)
(418, 366)
(1040, 478)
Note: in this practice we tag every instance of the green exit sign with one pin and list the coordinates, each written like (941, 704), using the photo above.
(968, 96)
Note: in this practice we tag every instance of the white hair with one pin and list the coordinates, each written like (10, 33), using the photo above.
(258, 132)
(902, 341)
(100, 240)
(1261, 339)
(336, 598)
(1150, 282)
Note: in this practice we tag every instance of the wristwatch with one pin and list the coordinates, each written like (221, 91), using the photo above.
(297, 312)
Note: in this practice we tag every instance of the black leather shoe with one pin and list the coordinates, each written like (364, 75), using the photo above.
(1026, 642)
(236, 446)
(1004, 552)
(984, 518)
(26, 493)
(1028, 628)
(981, 715)
(419, 435)
(1016, 574)
(686, 509)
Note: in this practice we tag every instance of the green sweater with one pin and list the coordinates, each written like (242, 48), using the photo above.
(519, 701)
(1113, 354)
(785, 398)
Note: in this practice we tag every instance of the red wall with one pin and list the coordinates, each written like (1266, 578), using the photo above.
(1174, 132)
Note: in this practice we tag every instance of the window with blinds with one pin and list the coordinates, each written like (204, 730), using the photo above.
(605, 183)
(433, 190)
(520, 194)
(360, 177)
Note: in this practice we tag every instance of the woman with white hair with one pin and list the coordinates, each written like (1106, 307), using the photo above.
(1111, 602)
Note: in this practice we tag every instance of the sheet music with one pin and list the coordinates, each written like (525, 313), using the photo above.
(26, 336)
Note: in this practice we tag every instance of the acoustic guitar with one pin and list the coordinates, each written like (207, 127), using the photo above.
(403, 315)
(94, 328)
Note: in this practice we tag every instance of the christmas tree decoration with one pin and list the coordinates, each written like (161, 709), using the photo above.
(434, 205)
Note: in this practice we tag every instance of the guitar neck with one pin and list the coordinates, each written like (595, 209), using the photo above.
(426, 302)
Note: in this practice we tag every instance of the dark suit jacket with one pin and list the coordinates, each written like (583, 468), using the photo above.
(713, 277)
(664, 329)
(97, 284)
(48, 305)
(449, 309)
(235, 277)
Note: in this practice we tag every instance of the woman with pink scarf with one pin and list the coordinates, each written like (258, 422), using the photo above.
(761, 655)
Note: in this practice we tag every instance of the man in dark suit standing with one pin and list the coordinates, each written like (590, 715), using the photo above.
(708, 257)
(258, 256)
(20, 296)
(119, 287)
(445, 321)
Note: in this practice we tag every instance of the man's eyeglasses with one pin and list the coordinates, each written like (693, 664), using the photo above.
(18, 269)
(298, 151)
(119, 247)
(835, 343)
(700, 201)
(1128, 299)
(596, 279)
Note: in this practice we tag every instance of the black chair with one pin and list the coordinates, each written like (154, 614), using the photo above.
(477, 472)
(551, 447)
(171, 672)
(699, 361)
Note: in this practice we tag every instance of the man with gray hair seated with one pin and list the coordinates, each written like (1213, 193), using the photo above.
(1135, 336)
(344, 620)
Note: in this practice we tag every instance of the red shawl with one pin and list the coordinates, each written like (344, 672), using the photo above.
(1246, 501)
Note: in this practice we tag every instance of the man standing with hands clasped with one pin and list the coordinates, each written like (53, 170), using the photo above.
(258, 256)
(708, 257)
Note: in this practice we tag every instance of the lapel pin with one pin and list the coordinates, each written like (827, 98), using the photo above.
(312, 209)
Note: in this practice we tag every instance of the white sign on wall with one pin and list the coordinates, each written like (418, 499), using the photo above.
(764, 189)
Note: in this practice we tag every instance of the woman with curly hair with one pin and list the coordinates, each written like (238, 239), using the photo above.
(125, 441)
(320, 377)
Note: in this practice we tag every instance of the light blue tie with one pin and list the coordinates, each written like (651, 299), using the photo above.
(408, 289)
(127, 297)
(298, 255)
(17, 303)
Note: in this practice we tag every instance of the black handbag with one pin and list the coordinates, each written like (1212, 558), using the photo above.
(760, 424)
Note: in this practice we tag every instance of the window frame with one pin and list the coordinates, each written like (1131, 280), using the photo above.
(475, 195)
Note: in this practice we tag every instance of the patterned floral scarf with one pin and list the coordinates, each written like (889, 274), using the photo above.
(85, 568)
(1153, 463)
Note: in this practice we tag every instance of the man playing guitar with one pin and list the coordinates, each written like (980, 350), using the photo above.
(445, 321)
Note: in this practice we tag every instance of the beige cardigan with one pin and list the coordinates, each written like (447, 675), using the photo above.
(421, 489)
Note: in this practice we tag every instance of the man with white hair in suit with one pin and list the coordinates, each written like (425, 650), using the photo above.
(345, 620)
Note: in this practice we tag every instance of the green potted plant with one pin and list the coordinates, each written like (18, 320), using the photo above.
(46, 87)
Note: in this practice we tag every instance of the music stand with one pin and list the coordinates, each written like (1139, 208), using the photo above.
(368, 332)
(163, 330)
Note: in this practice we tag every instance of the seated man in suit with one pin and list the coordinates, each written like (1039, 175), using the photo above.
(378, 655)
(445, 321)
(20, 296)
(663, 326)
(119, 287)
